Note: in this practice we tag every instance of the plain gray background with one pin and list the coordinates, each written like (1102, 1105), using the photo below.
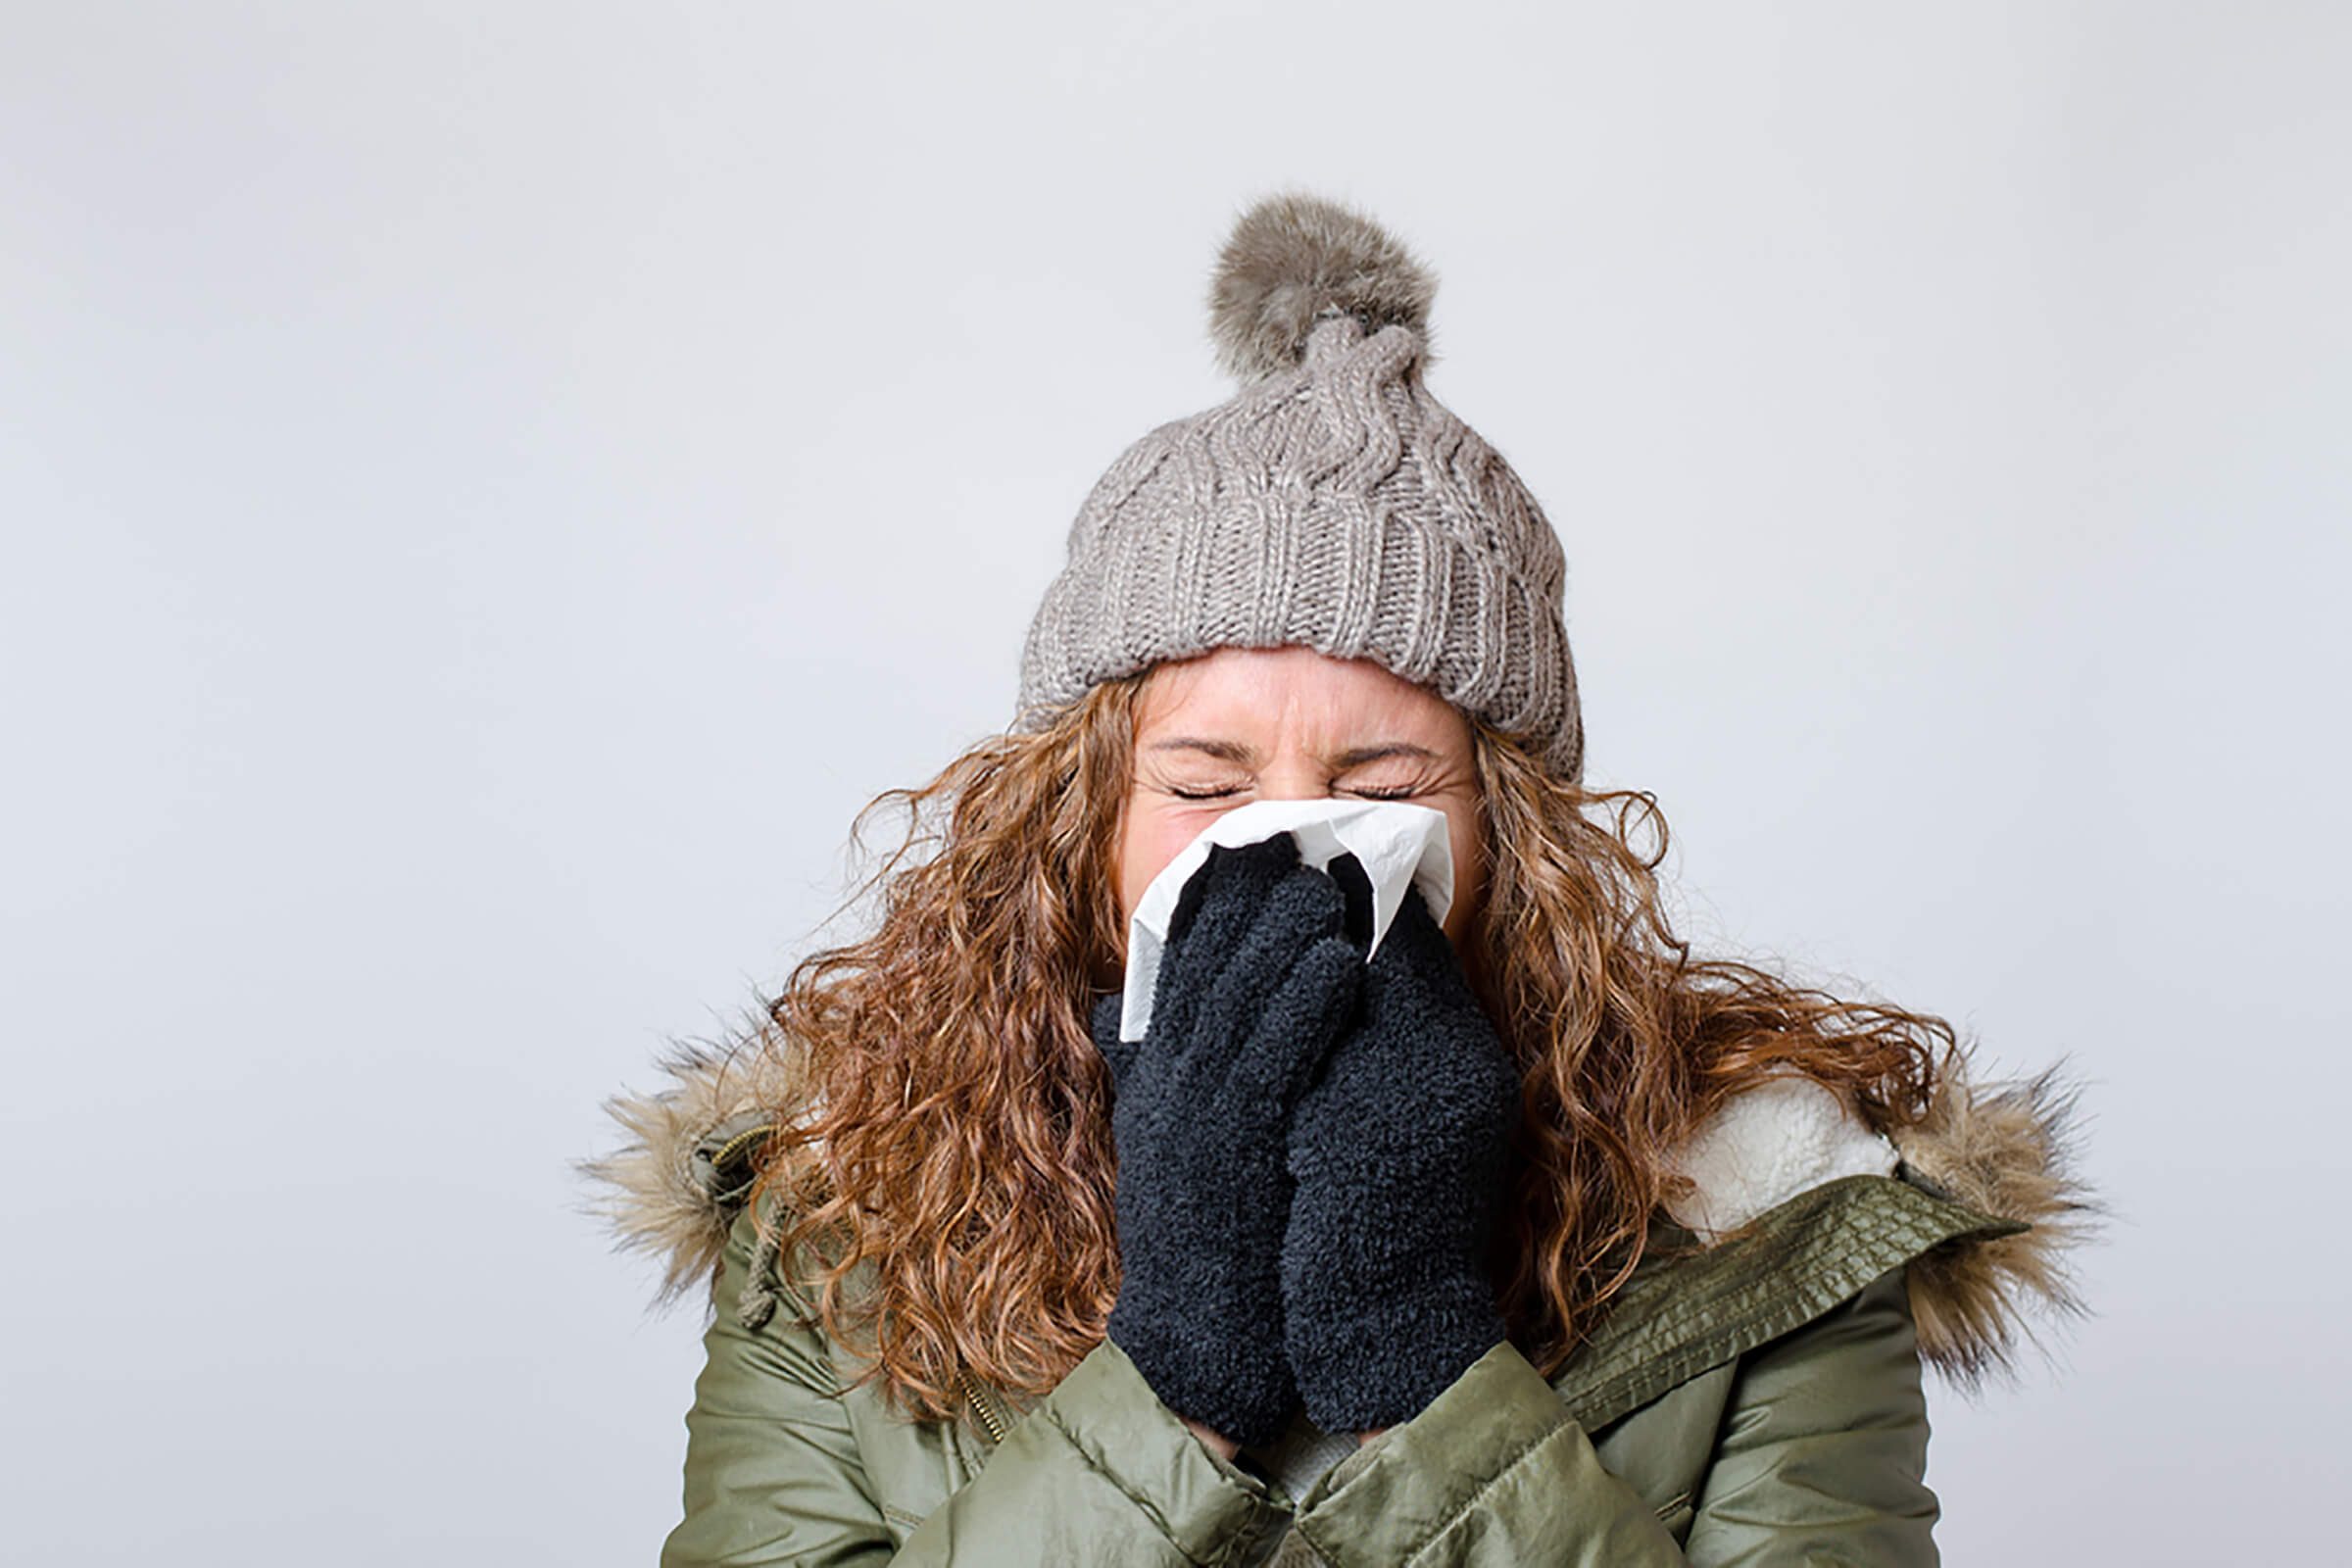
(490, 489)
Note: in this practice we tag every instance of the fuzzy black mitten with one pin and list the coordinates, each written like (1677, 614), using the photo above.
(1399, 1153)
(1255, 984)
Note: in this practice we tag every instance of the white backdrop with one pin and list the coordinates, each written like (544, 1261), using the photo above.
(489, 490)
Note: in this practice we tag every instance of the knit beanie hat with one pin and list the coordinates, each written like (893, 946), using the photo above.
(1331, 502)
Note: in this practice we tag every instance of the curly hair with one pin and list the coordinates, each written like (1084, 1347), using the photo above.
(947, 1170)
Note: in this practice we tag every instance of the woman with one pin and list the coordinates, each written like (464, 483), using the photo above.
(1530, 1238)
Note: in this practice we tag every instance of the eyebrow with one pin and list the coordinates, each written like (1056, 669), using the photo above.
(1245, 755)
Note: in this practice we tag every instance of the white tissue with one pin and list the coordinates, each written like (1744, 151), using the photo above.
(1400, 845)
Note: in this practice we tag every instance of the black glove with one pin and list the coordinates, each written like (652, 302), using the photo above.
(1255, 985)
(1399, 1153)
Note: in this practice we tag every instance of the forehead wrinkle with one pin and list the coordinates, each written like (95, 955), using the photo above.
(1243, 755)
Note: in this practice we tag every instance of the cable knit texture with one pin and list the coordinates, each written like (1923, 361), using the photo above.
(1333, 503)
(1256, 983)
(1398, 1154)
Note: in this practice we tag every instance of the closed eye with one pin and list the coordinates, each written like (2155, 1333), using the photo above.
(1402, 792)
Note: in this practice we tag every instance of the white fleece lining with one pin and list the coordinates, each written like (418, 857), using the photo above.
(1784, 1137)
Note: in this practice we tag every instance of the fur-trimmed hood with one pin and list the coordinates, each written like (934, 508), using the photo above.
(2008, 1149)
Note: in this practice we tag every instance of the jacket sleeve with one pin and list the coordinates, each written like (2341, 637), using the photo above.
(1102, 1472)
(1099, 1471)
(1823, 1455)
(1819, 1460)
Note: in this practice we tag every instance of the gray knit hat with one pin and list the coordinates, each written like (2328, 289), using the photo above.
(1331, 502)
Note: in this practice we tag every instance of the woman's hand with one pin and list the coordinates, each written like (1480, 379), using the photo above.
(1399, 1153)
(1255, 985)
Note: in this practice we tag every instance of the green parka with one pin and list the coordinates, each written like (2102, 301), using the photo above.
(1754, 1396)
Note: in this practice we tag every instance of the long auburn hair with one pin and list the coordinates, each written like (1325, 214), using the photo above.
(943, 1176)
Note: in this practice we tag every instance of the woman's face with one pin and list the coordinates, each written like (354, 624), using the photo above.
(1243, 725)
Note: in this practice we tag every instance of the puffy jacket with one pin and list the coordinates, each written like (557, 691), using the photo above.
(1755, 1394)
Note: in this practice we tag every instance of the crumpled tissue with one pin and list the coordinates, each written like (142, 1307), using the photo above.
(1400, 846)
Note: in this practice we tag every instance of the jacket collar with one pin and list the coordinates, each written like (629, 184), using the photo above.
(1999, 1159)
(1981, 1197)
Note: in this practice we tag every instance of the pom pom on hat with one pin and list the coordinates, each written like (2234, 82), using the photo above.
(1294, 259)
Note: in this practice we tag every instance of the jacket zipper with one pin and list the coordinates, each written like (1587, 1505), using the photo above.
(980, 1408)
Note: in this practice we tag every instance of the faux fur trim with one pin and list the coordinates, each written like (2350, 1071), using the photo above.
(658, 1192)
(2008, 1149)
(2011, 1149)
